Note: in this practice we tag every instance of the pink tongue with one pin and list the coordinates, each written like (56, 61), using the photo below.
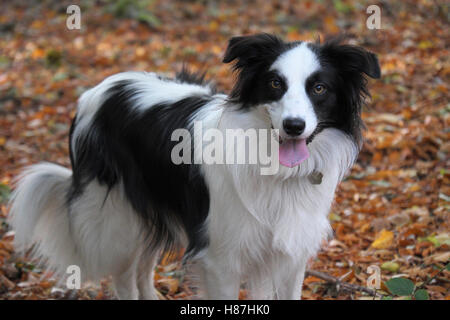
(292, 152)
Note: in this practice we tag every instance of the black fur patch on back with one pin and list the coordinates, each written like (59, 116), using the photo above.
(134, 147)
(186, 76)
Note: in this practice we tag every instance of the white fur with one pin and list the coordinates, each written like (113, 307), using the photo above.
(295, 65)
(100, 235)
(30, 205)
(263, 229)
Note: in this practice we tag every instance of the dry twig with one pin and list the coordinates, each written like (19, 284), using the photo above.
(339, 285)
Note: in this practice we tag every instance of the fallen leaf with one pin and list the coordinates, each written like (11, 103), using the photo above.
(390, 266)
(384, 239)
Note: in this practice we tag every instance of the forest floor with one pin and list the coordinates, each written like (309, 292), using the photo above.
(391, 212)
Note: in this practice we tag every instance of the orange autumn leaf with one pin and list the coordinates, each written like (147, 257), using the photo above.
(38, 53)
(213, 26)
(330, 24)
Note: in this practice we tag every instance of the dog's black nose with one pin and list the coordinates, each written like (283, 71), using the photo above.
(294, 126)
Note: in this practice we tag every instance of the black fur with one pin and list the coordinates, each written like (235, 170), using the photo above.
(343, 71)
(124, 145)
(187, 76)
(254, 55)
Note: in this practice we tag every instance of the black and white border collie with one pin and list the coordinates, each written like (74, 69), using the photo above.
(125, 200)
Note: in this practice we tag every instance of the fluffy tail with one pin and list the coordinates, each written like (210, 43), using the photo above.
(40, 216)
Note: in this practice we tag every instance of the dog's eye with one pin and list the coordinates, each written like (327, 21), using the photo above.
(319, 89)
(276, 84)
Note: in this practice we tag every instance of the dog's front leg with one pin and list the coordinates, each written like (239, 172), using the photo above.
(289, 287)
(220, 282)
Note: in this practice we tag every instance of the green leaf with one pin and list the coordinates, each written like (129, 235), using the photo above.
(421, 294)
(342, 7)
(4, 62)
(447, 267)
(431, 239)
(334, 217)
(380, 183)
(5, 192)
(148, 18)
(437, 240)
(387, 298)
(400, 286)
(390, 266)
(53, 58)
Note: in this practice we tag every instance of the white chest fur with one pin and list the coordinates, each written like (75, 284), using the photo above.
(253, 215)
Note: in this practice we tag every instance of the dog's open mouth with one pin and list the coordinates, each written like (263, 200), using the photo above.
(292, 151)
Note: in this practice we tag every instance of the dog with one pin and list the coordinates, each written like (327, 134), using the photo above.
(125, 200)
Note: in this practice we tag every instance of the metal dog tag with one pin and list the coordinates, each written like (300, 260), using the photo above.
(315, 177)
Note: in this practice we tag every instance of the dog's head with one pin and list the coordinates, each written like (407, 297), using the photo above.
(305, 87)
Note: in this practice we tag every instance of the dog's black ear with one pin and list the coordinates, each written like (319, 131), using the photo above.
(235, 48)
(252, 49)
(351, 58)
(373, 66)
(362, 60)
(253, 55)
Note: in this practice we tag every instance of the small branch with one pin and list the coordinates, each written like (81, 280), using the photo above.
(340, 285)
(423, 285)
(443, 279)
